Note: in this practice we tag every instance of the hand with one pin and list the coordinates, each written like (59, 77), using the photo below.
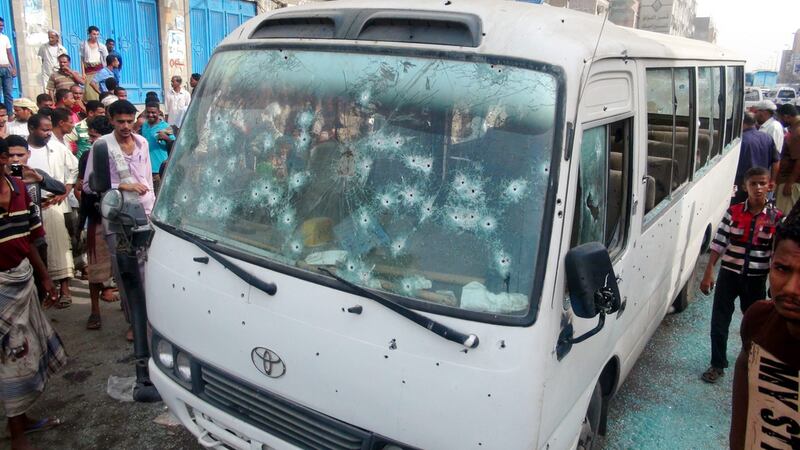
(52, 293)
(163, 135)
(787, 189)
(56, 199)
(139, 188)
(31, 176)
(707, 285)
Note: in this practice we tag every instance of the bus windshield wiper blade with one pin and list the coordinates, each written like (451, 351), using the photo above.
(247, 277)
(467, 340)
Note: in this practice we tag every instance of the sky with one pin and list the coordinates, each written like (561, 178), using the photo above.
(759, 30)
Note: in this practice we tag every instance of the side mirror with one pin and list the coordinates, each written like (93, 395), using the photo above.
(111, 204)
(591, 281)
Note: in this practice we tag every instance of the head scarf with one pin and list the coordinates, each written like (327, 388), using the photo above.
(26, 103)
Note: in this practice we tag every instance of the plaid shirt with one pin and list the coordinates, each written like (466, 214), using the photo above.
(19, 225)
(745, 240)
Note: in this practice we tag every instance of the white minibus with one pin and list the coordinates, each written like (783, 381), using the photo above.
(431, 225)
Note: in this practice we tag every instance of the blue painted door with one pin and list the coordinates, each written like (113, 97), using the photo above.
(133, 24)
(5, 13)
(210, 22)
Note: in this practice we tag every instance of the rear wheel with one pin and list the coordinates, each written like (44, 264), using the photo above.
(682, 300)
(590, 437)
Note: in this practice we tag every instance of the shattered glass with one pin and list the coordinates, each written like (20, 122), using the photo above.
(424, 178)
(592, 196)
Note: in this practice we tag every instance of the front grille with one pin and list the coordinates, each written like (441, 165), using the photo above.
(289, 421)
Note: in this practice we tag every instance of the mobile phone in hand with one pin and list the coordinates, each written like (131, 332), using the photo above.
(16, 170)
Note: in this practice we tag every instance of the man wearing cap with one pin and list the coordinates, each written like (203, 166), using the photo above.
(24, 108)
(764, 111)
(49, 53)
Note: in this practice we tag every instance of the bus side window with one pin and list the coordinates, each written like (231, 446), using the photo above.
(709, 99)
(733, 104)
(670, 134)
(601, 210)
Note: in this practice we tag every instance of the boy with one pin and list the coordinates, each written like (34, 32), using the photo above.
(744, 243)
(765, 379)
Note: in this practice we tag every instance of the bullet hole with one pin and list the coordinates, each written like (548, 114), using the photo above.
(173, 285)
(198, 274)
(393, 344)
(488, 395)
(465, 351)
(336, 390)
(243, 323)
(242, 294)
(385, 356)
(503, 344)
(560, 213)
(437, 364)
(484, 34)
(209, 312)
(448, 3)
(342, 309)
(317, 353)
(404, 381)
(183, 288)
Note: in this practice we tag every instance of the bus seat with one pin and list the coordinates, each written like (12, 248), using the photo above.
(650, 193)
(661, 169)
(615, 161)
(703, 147)
(615, 200)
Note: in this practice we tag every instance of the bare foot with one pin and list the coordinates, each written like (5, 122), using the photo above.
(129, 335)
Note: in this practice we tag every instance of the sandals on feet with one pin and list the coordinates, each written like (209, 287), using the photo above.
(109, 295)
(94, 322)
(65, 301)
(712, 375)
(43, 425)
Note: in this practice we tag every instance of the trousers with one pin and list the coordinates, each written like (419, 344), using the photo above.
(730, 285)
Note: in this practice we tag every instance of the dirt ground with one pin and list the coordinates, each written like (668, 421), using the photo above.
(77, 394)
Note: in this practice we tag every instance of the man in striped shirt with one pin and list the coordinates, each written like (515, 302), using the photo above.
(744, 244)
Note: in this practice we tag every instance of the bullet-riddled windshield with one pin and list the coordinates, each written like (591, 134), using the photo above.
(422, 177)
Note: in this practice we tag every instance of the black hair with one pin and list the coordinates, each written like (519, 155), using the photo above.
(153, 105)
(787, 109)
(36, 120)
(755, 172)
(3, 106)
(111, 84)
(101, 124)
(109, 40)
(789, 228)
(3, 143)
(103, 95)
(118, 89)
(196, 76)
(14, 140)
(110, 59)
(151, 97)
(92, 28)
(41, 98)
(61, 94)
(46, 111)
(92, 105)
(121, 107)
(60, 115)
(64, 55)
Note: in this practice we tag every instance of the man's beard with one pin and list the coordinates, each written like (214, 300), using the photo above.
(38, 142)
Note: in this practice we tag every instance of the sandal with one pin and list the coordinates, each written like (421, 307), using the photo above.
(712, 375)
(65, 301)
(43, 425)
(94, 322)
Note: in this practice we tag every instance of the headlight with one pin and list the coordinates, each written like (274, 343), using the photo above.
(183, 367)
(164, 354)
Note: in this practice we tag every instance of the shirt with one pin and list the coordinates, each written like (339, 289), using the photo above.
(117, 70)
(55, 159)
(19, 225)
(773, 128)
(80, 136)
(176, 103)
(94, 58)
(158, 147)
(758, 150)
(5, 44)
(138, 164)
(58, 81)
(791, 152)
(765, 382)
(18, 128)
(49, 55)
(101, 77)
(744, 240)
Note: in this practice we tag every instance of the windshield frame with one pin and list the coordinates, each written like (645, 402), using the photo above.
(548, 215)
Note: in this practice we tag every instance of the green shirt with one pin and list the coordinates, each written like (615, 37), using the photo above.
(81, 135)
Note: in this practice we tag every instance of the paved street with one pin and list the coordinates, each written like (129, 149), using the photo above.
(662, 405)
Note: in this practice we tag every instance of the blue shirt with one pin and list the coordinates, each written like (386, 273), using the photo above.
(118, 69)
(758, 150)
(158, 147)
(101, 77)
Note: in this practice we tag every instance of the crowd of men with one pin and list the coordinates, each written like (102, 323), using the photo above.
(50, 225)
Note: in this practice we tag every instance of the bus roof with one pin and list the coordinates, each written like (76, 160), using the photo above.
(544, 33)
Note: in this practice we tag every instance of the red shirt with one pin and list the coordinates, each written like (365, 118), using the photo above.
(19, 226)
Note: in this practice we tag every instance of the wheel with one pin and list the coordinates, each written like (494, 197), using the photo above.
(681, 302)
(590, 436)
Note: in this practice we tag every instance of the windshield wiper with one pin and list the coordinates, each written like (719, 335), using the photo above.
(467, 340)
(247, 277)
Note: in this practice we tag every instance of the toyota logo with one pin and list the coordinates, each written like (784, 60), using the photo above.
(268, 362)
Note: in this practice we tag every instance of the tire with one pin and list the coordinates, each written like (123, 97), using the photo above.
(590, 437)
(681, 302)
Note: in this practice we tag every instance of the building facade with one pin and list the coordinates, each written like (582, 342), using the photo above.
(598, 7)
(675, 17)
(156, 38)
(624, 13)
(705, 29)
